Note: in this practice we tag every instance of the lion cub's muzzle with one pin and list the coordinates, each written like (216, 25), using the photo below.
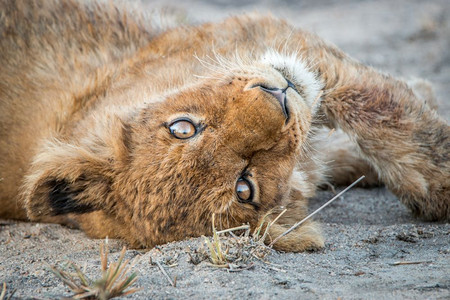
(280, 95)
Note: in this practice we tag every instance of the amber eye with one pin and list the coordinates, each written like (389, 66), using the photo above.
(182, 129)
(244, 190)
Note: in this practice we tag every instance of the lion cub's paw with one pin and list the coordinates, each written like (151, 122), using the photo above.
(305, 238)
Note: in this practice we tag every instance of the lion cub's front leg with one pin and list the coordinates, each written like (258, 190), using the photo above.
(405, 141)
(306, 237)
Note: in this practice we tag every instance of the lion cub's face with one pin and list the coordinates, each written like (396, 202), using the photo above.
(226, 146)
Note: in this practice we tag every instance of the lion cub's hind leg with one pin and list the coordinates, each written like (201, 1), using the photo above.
(343, 164)
(398, 132)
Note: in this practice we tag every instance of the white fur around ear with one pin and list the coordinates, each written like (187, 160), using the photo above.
(297, 70)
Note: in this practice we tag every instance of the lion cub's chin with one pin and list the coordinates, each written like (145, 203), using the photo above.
(296, 70)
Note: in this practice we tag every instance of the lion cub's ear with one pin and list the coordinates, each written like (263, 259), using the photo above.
(76, 177)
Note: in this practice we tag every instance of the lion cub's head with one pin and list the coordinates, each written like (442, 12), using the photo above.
(226, 145)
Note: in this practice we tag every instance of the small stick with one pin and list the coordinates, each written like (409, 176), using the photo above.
(270, 224)
(270, 265)
(225, 266)
(251, 265)
(165, 273)
(3, 294)
(317, 98)
(331, 132)
(316, 211)
(399, 263)
(243, 227)
(279, 216)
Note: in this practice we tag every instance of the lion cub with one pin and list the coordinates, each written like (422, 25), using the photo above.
(134, 131)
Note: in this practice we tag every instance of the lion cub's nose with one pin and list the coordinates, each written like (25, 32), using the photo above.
(280, 95)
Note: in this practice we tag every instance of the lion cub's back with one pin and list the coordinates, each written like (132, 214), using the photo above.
(48, 49)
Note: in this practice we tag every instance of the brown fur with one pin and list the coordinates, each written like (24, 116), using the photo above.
(86, 98)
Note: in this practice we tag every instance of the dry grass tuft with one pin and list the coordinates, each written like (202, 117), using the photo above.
(236, 252)
(114, 281)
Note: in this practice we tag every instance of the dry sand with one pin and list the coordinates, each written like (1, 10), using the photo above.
(366, 232)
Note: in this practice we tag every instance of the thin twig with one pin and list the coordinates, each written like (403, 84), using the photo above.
(258, 229)
(224, 266)
(270, 265)
(279, 216)
(165, 273)
(248, 267)
(399, 263)
(3, 294)
(317, 98)
(270, 225)
(316, 211)
(331, 132)
(243, 227)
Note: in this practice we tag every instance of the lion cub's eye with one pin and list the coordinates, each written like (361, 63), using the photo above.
(182, 129)
(244, 190)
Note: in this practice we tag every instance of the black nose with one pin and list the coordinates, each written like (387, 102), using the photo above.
(280, 95)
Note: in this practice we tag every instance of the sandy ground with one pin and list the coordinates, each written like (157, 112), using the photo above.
(367, 231)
